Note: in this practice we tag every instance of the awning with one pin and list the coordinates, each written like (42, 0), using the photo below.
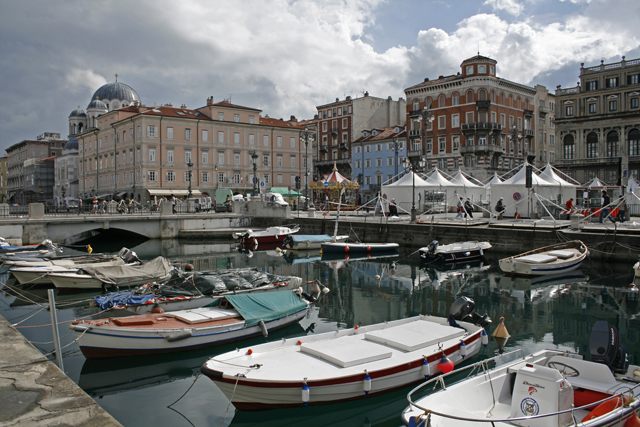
(285, 191)
(174, 192)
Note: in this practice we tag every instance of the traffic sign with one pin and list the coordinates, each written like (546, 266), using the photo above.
(517, 196)
(262, 184)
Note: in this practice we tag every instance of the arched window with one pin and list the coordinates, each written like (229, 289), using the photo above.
(115, 106)
(469, 96)
(592, 145)
(455, 98)
(427, 102)
(79, 127)
(634, 142)
(510, 101)
(441, 101)
(416, 104)
(493, 96)
(518, 102)
(482, 95)
(612, 144)
(569, 147)
(502, 98)
(526, 104)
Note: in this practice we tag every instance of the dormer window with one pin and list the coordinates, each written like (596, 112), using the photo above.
(374, 133)
(482, 69)
(470, 69)
(492, 70)
(365, 133)
(396, 129)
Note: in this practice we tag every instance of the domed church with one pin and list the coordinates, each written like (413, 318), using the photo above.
(108, 97)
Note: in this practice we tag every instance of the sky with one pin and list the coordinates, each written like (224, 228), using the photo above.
(285, 57)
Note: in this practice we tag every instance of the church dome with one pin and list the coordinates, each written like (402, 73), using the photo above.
(79, 112)
(117, 90)
(96, 103)
(72, 144)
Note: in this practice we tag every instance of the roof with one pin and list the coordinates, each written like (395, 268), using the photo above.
(462, 180)
(408, 180)
(386, 133)
(72, 144)
(96, 103)
(116, 90)
(479, 58)
(227, 104)
(441, 80)
(170, 111)
(79, 112)
(268, 121)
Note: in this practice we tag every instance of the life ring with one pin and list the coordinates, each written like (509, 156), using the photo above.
(605, 408)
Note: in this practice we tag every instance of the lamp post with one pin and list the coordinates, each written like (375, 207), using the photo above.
(215, 170)
(304, 134)
(396, 146)
(254, 160)
(190, 166)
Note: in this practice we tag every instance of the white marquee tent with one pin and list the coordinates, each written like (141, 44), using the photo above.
(494, 180)
(466, 188)
(402, 190)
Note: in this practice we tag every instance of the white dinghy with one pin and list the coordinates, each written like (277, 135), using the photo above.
(548, 388)
(346, 364)
(553, 259)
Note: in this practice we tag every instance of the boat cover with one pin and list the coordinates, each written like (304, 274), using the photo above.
(155, 269)
(310, 238)
(266, 306)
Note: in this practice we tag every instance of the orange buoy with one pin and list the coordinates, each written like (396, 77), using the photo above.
(368, 248)
(250, 352)
(346, 249)
(157, 310)
(605, 408)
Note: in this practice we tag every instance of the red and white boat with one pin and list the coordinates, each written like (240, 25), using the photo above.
(343, 365)
(271, 235)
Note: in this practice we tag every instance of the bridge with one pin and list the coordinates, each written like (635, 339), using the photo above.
(35, 226)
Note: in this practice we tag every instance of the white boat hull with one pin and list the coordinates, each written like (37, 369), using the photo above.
(512, 265)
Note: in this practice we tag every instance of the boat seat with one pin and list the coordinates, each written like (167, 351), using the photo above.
(562, 254)
(536, 259)
(346, 352)
(200, 315)
(415, 335)
(593, 376)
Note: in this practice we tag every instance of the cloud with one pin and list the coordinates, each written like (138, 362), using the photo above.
(77, 78)
(510, 6)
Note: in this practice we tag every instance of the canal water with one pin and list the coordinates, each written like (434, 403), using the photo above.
(168, 390)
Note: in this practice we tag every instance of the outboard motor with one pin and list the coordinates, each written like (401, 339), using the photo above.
(605, 346)
(128, 256)
(431, 248)
(462, 309)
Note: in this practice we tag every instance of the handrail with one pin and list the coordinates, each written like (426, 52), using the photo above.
(440, 379)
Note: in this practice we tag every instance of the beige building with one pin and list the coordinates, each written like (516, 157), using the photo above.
(598, 123)
(545, 127)
(164, 150)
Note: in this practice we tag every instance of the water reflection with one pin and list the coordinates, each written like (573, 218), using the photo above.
(545, 312)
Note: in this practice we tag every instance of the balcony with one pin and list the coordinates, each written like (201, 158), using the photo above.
(324, 148)
(332, 161)
(528, 133)
(600, 161)
(483, 104)
(481, 149)
(414, 153)
(415, 113)
(334, 131)
(543, 111)
(344, 146)
(415, 133)
(528, 113)
(482, 127)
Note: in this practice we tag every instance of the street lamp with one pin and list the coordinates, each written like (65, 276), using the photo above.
(304, 134)
(396, 146)
(215, 170)
(254, 160)
(190, 166)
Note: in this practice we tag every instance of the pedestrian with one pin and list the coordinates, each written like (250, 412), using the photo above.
(173, 203)
(500, 208)
(393, 209)
(569, 204)
(622, 209)
(95, 204)
(460, 209)
(79, 204)
(103, 207)
(605, 201)
(468, 208)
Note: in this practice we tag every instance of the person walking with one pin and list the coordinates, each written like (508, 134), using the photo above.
(173, 203)
(79, 204)
(569, 204)
(393, 209)
(468, 208)
(500, 208)
(605, 201)
(460, 209)
(622, 209)
(95, 204)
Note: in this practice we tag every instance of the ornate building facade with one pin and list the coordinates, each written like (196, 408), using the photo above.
(598, 123)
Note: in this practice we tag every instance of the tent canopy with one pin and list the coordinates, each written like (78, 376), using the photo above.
(494, 180)
(460, 179)
(285, 191)
(548, 174)
(437, 179)
(407, 180)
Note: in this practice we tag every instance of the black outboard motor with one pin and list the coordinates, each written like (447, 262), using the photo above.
(128, 256)
(605, 347)
(431, 248)
(462, 309)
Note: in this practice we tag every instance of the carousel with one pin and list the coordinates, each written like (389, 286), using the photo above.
(327, 192)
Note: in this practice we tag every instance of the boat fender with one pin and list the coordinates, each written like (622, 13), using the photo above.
(180, 335)
(305, 393)
(263, 329)
(484, 338)
(426, 368)
(366, 383)
(634, 421)
(346, 249)
(463, 349)
(605, 408)
(79, 328)
(445, 364)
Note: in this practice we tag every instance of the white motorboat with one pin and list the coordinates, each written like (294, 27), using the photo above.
(245, 316)
(343, 365)
(554, 259)
(548, 388)
(309, 241)
(454, 252)
(156, 270)
(275, 234)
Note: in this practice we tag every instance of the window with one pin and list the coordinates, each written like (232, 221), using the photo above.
(503, 120)
(358, 164)
(171, 176)
(187, 134)
(633, 79)
(204, 177)
(442, 163)
(292, 162)
(266, 178)
(469, 96)
(378, 147)
(592, 145)
(221, 177)
(470, 69)
(131, 134)
(482, 140)
(367, 148)
(367, 163)
(252, 139)
(612, 144)
(236, 118)
(633, 103)
(455, 142)
(455, 100)
(568, 110)
(442, 122)
(334, 155)
(220, 137)
(152, 176)
(292, 142)
(279, 160)
(612, 82)
(187, 157)
(491, 69)
(205, 158)
(634, 142)
(236, 138)
(455, 120)
(469, 117)
(592, 108)
(236, 159)
(482, 69)
(152, 155)
(442, 144)
(358, 149)
(265, 140)
(389, 161)
(279, 141)
(378, 162)
(151, 131)
(592, 85)
(138, 132)
(205, 135)
(266, 161)
(221, 117)
(220, 158)
(613, 105)
(428, 147)
(345, 123)
(169, 155)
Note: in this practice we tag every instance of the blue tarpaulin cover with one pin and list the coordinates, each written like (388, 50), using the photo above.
(120, 299)
(266, 306)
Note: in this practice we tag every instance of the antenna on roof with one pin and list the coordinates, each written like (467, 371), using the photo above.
(116, 77)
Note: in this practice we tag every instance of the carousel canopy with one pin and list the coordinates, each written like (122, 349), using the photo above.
(334, 180)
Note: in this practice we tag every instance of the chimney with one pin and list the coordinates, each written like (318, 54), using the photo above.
(210, 101)
(293, 119)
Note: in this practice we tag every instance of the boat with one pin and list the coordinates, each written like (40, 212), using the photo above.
(547, 388)
(188, 291)
(454, 252)
(39, 275)
(554, 259)
(355, 256)
(344, 365)
(44, 249)
(343, 247)
(156, 270)
(274, 234)
(309, 241)
(236, 317)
